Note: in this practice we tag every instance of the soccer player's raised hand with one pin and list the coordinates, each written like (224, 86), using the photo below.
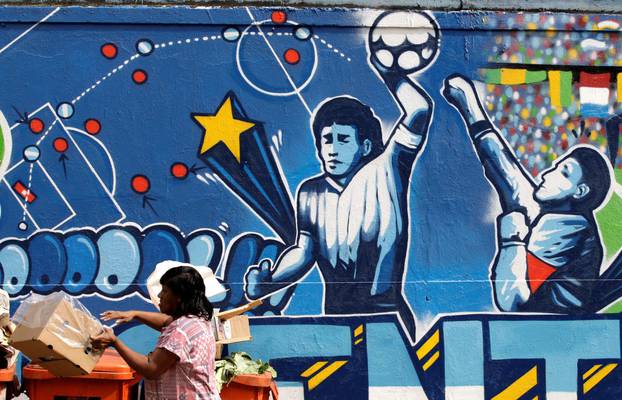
(460, 92)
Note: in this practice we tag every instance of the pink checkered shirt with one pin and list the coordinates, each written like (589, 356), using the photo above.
(192, 377)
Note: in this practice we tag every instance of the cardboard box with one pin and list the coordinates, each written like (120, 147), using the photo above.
(232, 327)
(54, 331)
(232, 330)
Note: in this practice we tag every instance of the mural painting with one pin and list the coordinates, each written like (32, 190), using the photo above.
(428, 203)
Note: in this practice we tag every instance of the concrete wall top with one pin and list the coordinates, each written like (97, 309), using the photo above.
(196, 14)
(595, 6)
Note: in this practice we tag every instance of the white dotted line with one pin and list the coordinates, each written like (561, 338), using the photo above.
(187, 41)
(46, 132)
(27, 191)
(103, 78)
(333, 48)
(254, 33)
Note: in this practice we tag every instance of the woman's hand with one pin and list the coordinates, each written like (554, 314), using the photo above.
(104, 339)
(121, 317)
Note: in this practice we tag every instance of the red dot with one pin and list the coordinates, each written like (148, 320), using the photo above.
(140, 184)
(292, 56)
(109, 50)
(36, 125)
(92, 126)
(279, 17)
(139, 76)
(60, 145)
(179, 170)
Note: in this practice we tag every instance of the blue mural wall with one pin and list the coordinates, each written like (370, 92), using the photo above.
(427, 202)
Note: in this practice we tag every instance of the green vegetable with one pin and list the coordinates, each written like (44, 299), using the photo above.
(239, 363)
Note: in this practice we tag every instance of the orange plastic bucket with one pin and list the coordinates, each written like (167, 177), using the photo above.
(250, 387)
(7, 377)
(111, 379)
(7, 374)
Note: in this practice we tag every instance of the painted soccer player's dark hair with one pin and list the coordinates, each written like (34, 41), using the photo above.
(186, 283)
(595, 175)
(348, 111)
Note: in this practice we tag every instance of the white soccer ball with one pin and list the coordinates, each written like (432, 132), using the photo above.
(404, 41)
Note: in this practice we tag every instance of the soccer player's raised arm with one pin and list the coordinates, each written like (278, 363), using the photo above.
(416, 105)
(402, 44)
(514, 186)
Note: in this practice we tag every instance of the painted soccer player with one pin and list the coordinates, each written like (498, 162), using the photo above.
(549, 248)
(352, 220)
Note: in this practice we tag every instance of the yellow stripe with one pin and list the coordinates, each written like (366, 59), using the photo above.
(619, 86)
(597, 377)
(358, 331)
(535, 398)
(358, 341)
(520, 386)
(326, 372)
(512, 76)
(555, 89)
(429, 345)
(431, 360)
(591, 371)
(311, 370)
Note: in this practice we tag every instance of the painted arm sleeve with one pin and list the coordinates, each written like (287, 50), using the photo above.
(509, 277)
(511, 182)
(409, 137)
(294, 262)
(297, 260)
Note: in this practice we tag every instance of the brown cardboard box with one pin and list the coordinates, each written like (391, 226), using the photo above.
(55, 333)
(232, 327)
(233, 330)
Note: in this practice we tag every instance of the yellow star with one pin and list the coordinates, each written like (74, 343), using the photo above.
(223, 127)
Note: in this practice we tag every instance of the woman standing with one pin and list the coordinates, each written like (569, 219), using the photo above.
(182, 364)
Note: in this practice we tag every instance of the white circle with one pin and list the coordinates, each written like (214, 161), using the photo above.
(408, 60)
(231, 34)
(144, 47)
(31, 153)
(22, 226)
(302, 33)
(65, 110)
(385, 57)
(420, 36)
(393, 37)
(269, 93)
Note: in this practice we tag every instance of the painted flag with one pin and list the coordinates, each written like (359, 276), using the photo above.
(24, 192)
(560, 88)
(513, 76)
(237, 149)
(594, 94)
